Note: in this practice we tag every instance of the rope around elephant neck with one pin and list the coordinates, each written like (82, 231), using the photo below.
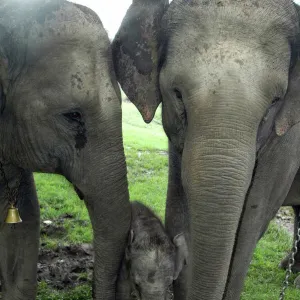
(12, 192)
(291, 262)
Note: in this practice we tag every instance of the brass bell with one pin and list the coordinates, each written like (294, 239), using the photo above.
(13, 215)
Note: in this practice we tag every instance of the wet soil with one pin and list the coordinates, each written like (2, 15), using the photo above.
(66, 266)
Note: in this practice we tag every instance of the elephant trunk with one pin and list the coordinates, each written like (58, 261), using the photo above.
(109, 211)
(217, 165)
(101, 177)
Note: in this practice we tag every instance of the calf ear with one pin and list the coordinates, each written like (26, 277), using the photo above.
(181, 253)
(131, 237)
(135, 54)
(290, 112)
(130, 241)
(3, 83)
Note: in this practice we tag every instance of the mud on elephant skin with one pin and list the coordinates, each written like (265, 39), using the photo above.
(228, 76)
(152, 260)
(60, 113)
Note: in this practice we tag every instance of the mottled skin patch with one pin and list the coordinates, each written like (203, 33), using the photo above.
(239, 61)
(77, 81)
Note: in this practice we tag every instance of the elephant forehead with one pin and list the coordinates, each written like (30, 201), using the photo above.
(205, 44)
(66, 21)
(227, 19)
(64, 75)
(153, 263)
(68, 36)
(66, 55)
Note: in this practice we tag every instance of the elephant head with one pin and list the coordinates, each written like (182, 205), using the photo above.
(152, 260)
(227, 73)
(61, 113)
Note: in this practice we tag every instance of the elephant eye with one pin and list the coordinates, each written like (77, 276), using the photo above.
(276, 99)
(178, 94)
(73, 116)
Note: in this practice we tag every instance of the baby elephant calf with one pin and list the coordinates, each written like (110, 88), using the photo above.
(152, 260)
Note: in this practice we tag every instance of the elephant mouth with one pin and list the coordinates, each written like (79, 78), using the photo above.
(78, 192)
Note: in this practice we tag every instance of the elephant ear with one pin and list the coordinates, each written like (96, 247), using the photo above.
(3, 83)
(129, 243)
(181, 254)
(290, 113)
(135, 54)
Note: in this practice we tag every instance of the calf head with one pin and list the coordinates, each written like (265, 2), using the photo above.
(154, 262)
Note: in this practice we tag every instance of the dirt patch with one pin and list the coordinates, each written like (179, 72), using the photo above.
(53, 231)
(285, 219)
(67, 266)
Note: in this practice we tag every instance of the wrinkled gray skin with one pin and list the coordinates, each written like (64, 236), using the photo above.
(152, 260)
(60, 113)
(228, 75)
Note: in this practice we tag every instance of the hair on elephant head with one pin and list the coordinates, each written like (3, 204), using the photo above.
(152, 260)
(61, 113)
(228, 76)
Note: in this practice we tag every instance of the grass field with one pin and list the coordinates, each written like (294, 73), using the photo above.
(146, 147)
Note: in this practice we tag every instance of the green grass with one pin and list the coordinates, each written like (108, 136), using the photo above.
(265, 278)
(145, 147)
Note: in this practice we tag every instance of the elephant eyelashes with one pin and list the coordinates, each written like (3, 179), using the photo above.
(74, 116)
(178, 94)
(276, 99)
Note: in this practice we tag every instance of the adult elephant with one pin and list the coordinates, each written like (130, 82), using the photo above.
(228, 75)
(60, 113)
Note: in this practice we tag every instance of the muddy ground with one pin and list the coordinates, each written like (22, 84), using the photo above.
(65, 266)
(68, 266)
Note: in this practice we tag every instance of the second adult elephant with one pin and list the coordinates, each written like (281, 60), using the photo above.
(228, 75)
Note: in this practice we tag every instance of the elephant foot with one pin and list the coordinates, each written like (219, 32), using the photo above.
(285, 262)
(297, 282)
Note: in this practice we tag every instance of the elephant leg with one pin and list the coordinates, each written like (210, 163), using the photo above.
(285, 261)
(176, 218)
(19, 243)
